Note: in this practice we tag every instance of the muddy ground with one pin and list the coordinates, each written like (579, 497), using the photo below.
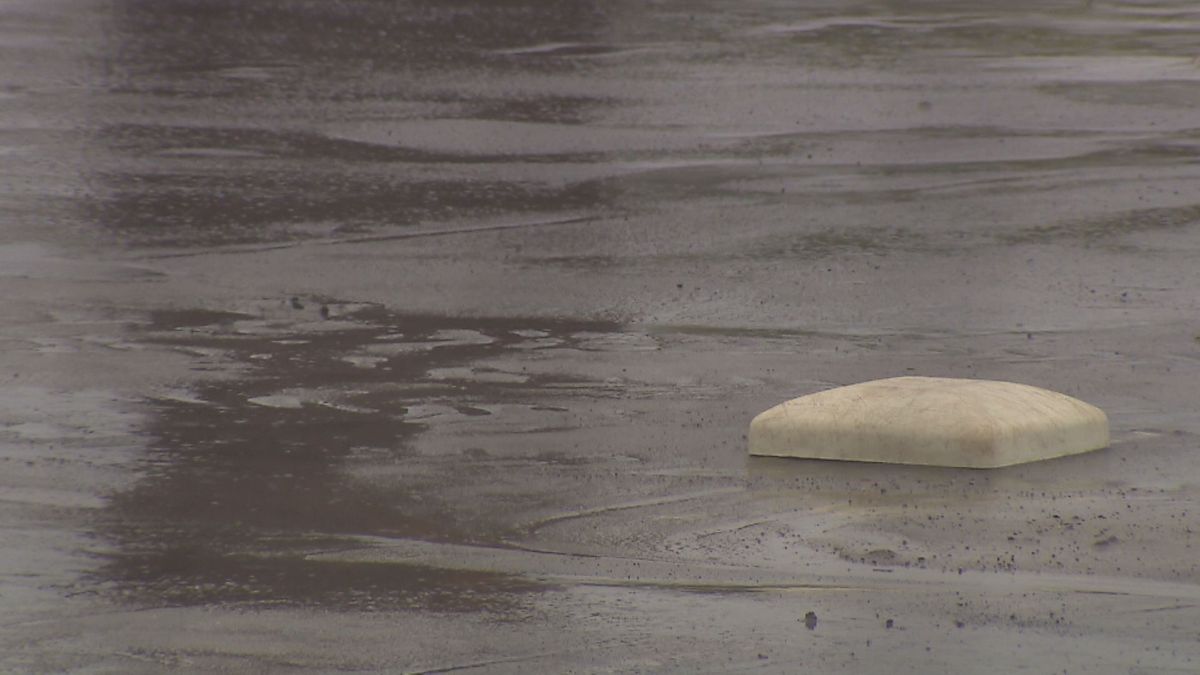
(423, 337)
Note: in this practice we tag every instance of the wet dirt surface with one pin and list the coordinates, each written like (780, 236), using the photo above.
(423, 337)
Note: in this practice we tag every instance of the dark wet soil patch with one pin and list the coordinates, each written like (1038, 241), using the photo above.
(230, 205)
(198, 575)
(1095, 230)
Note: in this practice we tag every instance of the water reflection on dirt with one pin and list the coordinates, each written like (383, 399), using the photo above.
(232, 176)
(247, 476)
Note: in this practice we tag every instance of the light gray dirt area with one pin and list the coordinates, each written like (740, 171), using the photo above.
(403, 336)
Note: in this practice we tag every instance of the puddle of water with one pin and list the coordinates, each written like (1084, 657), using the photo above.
(243, 475)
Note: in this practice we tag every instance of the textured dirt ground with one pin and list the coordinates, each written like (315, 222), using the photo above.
(423, 337)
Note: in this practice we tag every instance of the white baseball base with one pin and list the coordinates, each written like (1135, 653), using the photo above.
(933, 421)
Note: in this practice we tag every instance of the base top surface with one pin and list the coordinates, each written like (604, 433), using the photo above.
(931, 420)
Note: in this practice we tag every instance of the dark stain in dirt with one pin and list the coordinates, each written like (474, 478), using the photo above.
(235, 494)
(1096, 230)
(189, 575)
(238, 205)
(197, 38)
(263, 177)
(179, 319)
